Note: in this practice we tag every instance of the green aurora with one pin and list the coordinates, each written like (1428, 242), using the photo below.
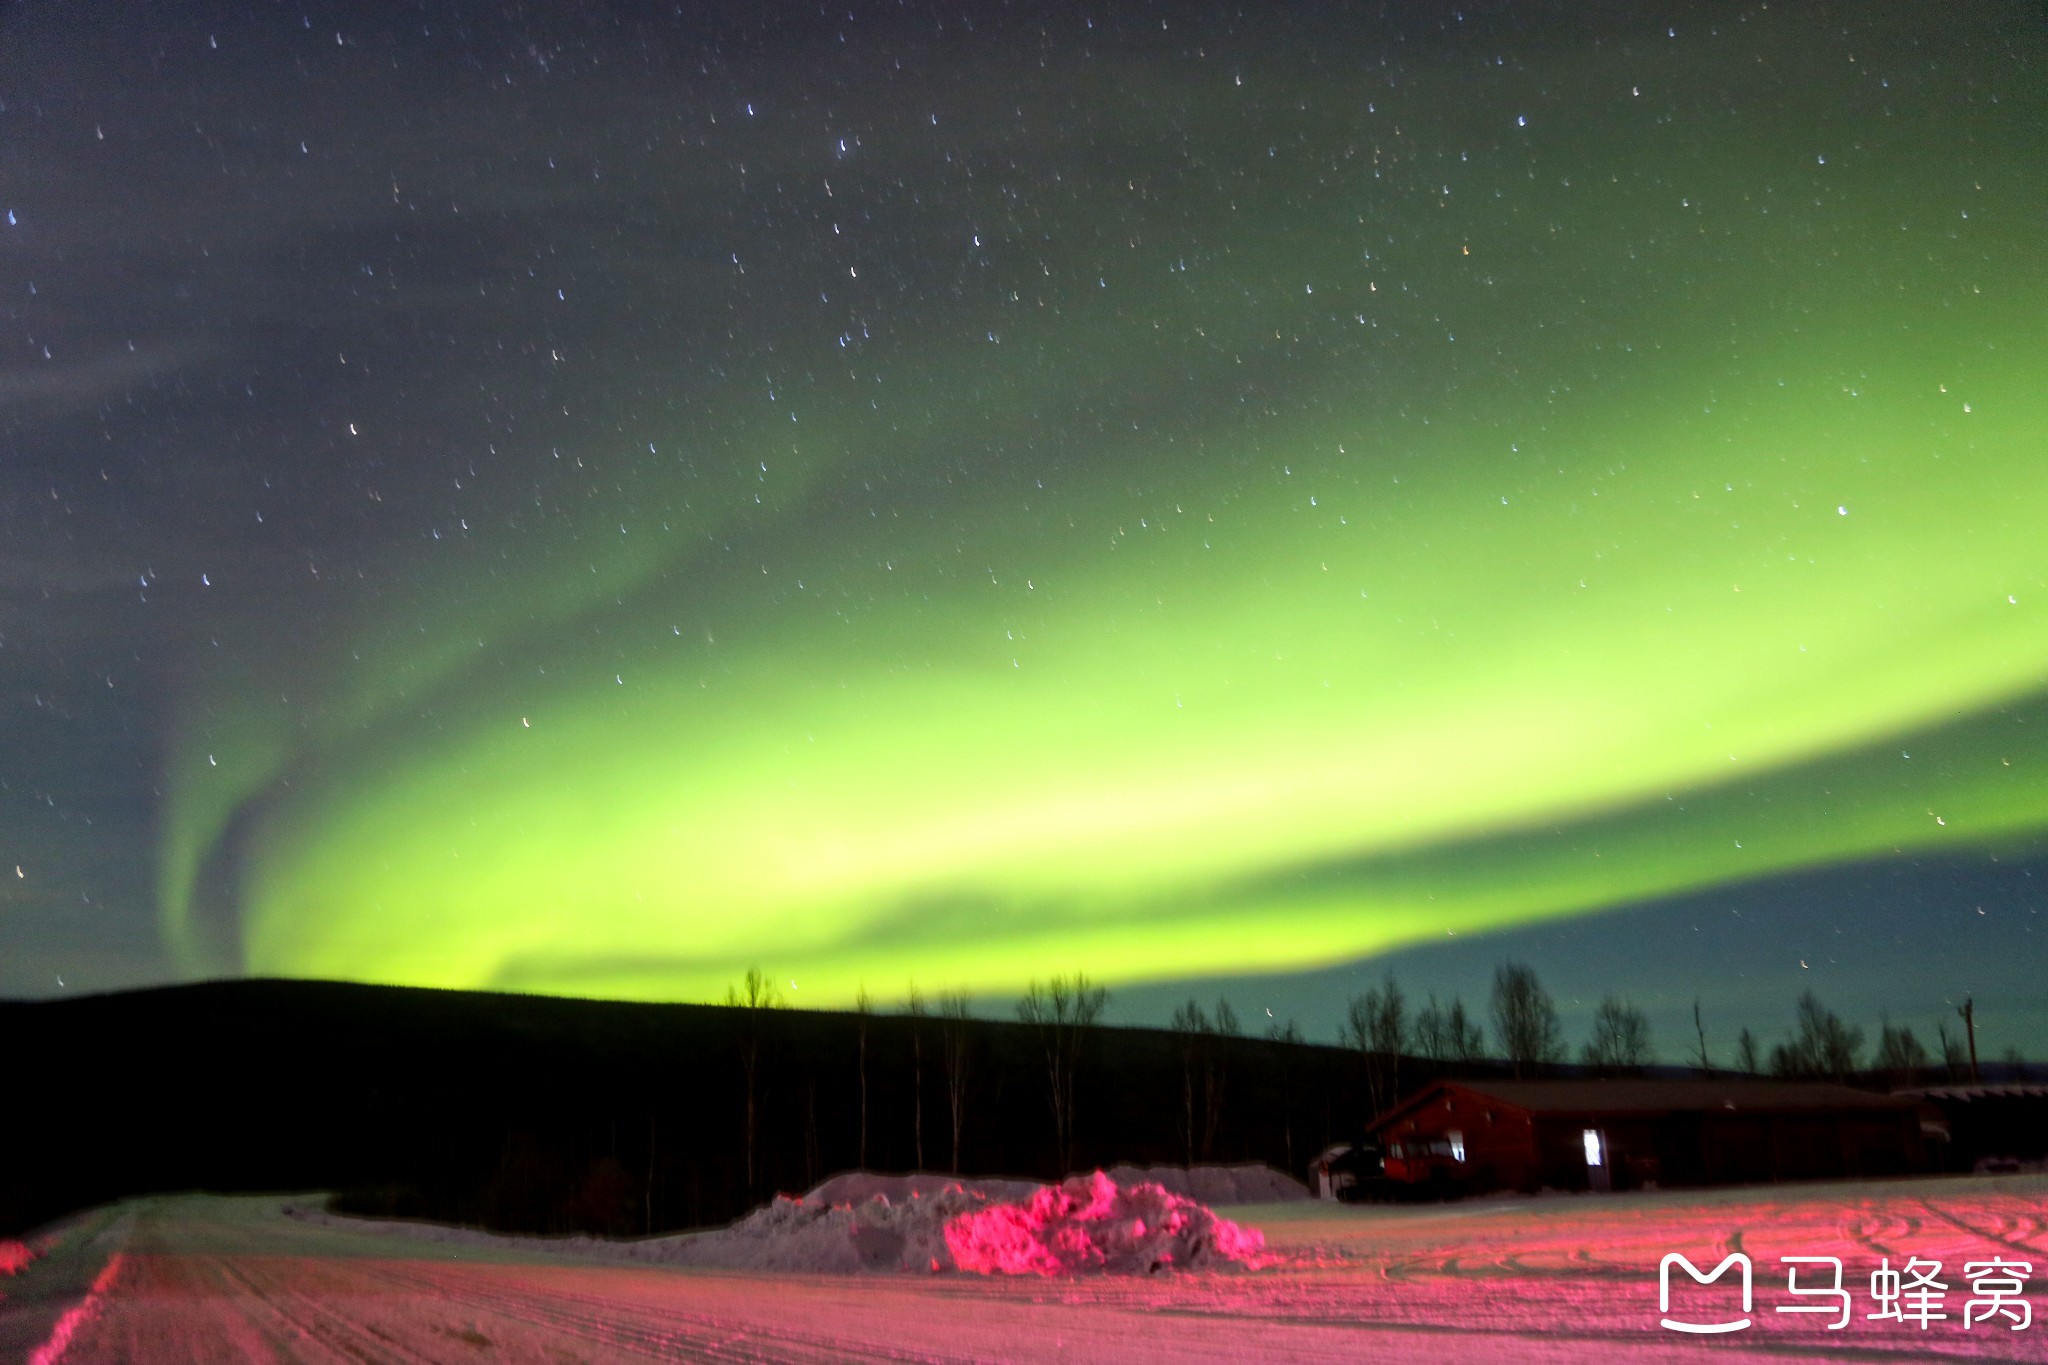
(1497, 501)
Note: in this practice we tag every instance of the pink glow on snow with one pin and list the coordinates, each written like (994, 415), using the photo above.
(1090, 1223)
(78, 1315)
(14, 1257)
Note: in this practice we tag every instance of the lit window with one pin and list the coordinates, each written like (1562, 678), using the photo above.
(1592, 1136)
(1457, 1144)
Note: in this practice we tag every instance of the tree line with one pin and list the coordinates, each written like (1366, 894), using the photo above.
(1528, 1039)
(1060, 1011)
(1396, 1043)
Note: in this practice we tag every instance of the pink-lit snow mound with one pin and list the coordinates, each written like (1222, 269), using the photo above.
(14, 1257)
(1093, 1224)
(924, 1223)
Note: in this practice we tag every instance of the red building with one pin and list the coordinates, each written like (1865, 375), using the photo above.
(1465, 1136)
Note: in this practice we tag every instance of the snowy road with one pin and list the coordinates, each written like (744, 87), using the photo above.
(201, 1278)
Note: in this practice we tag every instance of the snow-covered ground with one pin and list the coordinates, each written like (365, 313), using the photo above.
(1555, 1278)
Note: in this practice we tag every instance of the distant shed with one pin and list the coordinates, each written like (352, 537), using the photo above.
(1631, 1134)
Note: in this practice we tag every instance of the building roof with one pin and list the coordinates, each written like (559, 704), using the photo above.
(2010, 1090)
(1650, 1097)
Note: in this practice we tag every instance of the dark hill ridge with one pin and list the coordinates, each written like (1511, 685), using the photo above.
(548, 1114)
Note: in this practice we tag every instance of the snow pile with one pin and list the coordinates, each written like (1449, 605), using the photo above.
(797, 1235)
(864, 1222)
(858, 1187)
(1251, 1183)
(1127, 1221)
(14, 1257)
(1092, 1223)
(875, 1234)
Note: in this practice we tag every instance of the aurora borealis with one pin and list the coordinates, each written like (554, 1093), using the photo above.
(590, 502)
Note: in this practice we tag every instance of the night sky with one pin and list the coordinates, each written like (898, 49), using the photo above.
(588, 498)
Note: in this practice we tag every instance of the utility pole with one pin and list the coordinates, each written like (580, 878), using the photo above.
(1969, 1013)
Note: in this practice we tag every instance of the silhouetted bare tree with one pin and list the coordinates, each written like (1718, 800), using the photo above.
(1444, 1035)
(1191, 1032)
(1747, 1055)
(1954, 1059)
(1289, 1036)
(1524, 1019)
(1376, 1023)
(1428, 1032)
(1223, 1025)
(1464, 1040)
(1203, 1055)
(956, 1047)
(914, 1006)
(813, 1167)
(1621, 1037)
(1899, 1054)
(863, 1011)
(1062, 1010)
(753, 996)
(1822, 1045)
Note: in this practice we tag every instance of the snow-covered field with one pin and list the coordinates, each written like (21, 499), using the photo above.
(1555, 1278)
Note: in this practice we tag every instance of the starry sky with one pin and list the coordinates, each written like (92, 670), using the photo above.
(589, 498)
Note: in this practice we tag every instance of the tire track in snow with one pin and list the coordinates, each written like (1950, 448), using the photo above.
(316, 1318)
(615, 1321)
(190, 1306)
(1985, 1234)
(1880, 1233)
